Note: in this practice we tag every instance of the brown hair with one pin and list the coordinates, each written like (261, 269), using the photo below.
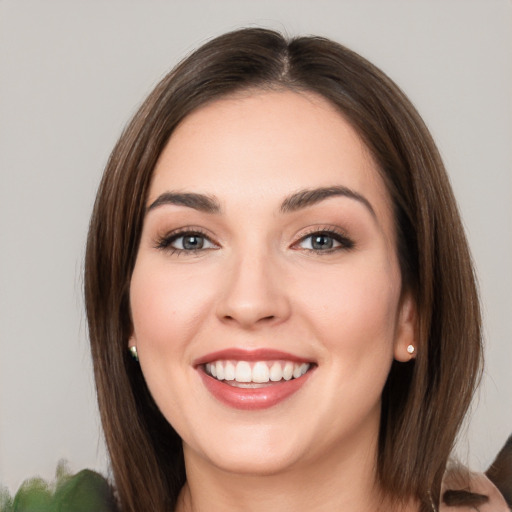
(424, 401)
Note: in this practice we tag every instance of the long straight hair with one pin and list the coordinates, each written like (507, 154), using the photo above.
(424, 401)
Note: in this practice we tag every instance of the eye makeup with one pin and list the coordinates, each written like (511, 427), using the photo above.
(324, 239)
(189, 239)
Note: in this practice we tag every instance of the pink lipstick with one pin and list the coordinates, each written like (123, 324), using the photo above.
(255, 379)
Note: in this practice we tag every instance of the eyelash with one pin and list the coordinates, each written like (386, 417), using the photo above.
(329, 232)
(164, 242)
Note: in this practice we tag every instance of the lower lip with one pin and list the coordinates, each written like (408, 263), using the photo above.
(253, 398)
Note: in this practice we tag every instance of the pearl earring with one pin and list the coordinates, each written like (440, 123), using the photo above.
(411, 349)
(133, 352)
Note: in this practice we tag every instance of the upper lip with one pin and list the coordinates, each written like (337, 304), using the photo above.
(238, 354)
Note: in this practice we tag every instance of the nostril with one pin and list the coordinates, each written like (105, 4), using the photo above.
(252, 320)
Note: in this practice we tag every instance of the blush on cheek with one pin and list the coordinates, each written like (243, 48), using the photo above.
(166, 308)
(359, 307)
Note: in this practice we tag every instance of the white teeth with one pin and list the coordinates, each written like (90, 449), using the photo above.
(243, 372)
(276, 372)
(259, 372)
(300, 370)
(220, 370)
(229, 371)
(288, 371)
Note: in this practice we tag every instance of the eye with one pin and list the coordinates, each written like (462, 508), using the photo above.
(325, 241)
(191, 242)
(185, 241)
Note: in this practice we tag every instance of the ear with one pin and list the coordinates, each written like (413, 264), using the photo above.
(405, 347)
(132, 341)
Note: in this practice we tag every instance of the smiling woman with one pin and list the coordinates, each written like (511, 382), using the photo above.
(276, 241)
(284, 299)
(306, 291)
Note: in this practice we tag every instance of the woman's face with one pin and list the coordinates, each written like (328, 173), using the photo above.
(266, 295)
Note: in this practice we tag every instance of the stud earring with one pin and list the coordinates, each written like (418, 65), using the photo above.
(133, 352)
(411, 349)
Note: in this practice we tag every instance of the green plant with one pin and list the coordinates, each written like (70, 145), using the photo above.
(86, 491)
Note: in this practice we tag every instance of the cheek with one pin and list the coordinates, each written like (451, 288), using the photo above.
(353, 314)
(166, 305)
(354, 307)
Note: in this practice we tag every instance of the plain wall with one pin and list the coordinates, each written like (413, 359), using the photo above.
(71, 75)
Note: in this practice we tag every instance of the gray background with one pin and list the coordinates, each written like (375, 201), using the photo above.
(71, 74)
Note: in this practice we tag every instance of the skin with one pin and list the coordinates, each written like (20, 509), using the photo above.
(258, 284)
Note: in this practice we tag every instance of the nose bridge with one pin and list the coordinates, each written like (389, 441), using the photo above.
(253, 293)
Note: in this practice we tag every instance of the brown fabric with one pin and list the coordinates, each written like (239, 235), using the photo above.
(500, 471)
(465, 491)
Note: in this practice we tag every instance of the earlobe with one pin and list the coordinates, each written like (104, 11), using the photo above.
(406, 333)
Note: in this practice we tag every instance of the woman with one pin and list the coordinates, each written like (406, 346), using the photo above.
(276, 243)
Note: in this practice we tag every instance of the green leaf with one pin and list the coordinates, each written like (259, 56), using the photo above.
(33, 496)
(5, 500)
(86, 491)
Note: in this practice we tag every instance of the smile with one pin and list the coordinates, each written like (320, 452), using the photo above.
(251, 380)
(246, 373)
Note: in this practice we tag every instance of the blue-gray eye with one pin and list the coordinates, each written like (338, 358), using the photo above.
(191, 242)
(322, 241)
(325, 241)
(185, 241)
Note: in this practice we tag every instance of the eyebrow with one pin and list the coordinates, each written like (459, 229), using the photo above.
(309, 197)
(201, 202)
(296, 201)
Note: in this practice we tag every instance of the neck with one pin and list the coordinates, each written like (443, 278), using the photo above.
(323, 486)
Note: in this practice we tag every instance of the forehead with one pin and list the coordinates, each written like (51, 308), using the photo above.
(264, 144)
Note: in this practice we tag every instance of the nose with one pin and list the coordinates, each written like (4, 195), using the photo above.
(253, 293)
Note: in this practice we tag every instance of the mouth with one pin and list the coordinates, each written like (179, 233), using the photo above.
(253, 379)
(247, 374)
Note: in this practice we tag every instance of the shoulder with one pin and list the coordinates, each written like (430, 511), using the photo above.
(463, 490)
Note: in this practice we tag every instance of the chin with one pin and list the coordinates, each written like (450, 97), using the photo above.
(255, 462)
(257, 450)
